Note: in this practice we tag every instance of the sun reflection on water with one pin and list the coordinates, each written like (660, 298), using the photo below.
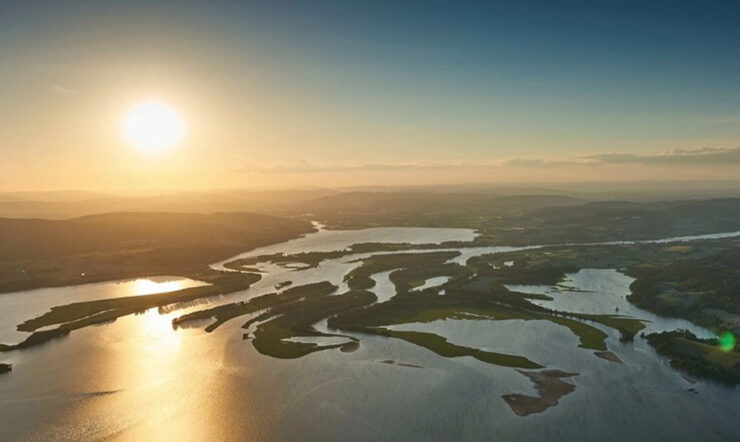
(145, 286)
(156, 330)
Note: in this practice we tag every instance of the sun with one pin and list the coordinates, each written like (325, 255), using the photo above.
(153, 126)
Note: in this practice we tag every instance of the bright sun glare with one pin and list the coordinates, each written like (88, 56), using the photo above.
(153, 126)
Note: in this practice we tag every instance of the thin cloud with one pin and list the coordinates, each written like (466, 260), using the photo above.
(700, 156)
(305, 167)
(61, 90)
(539, 162)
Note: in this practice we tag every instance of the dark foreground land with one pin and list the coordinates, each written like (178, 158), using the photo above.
(45, 253)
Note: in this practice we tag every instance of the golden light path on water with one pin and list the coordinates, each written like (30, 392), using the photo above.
(139, 379)
(147, 286)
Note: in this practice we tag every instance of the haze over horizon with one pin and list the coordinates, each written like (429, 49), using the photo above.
(287, 94)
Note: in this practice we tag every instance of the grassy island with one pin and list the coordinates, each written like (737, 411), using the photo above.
(699, 357)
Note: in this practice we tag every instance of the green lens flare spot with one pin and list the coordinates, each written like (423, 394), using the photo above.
(727, 342)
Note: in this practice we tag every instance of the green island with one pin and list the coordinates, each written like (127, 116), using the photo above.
(293, 321)
(223, 313)
(699, 357)
(359, 278)
(283, 324)
(5, 368)
(82, 314)
(36, 338)
(309, 259)
(313, 259)
(292, 312)
(695, 281)
(444, 348)
(412, 278)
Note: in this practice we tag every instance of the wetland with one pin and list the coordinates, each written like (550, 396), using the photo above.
(538, 332)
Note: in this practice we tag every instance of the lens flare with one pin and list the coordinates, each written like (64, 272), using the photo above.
(727, 342)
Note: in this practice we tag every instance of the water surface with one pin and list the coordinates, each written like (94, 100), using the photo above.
(16, 307)
(137, 378)
(604, 291)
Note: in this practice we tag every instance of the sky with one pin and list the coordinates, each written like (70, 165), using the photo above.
(287, 94)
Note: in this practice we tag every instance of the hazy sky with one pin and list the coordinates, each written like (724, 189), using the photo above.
(339, 93)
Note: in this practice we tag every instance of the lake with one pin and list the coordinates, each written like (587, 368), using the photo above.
(138, 378)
